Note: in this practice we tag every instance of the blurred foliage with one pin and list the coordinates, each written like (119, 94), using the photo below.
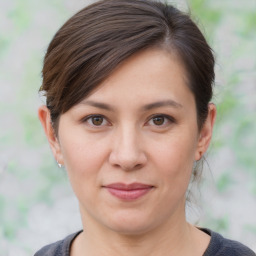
(224, 181)
(231, 30)
(251, 228)
(220, 224)
(235, 94)
(206, 16)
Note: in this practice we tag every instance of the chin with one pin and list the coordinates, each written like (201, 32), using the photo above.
(129, 223)
(130, 229)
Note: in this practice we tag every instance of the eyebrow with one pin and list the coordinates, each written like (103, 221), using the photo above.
(162, 103)
(147, 107)
(98, 105)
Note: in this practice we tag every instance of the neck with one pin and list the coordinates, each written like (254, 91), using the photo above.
(176, 237)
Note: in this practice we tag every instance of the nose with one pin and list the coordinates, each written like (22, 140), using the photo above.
(127, 150)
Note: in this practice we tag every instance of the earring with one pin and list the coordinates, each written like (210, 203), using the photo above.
(60, 165)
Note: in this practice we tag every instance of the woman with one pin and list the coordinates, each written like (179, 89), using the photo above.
(128, 86)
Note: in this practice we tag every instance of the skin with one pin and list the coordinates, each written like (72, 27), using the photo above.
(127, 143)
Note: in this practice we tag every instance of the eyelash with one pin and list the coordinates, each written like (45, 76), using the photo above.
(88, 119)
(167, 120)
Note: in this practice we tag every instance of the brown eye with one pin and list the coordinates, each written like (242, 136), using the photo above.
(161, 121)
(97, 120)
(158, 120)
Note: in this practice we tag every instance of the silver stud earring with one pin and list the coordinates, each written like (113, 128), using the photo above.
(60, 165)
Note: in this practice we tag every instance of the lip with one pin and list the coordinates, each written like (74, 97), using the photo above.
(128, 192)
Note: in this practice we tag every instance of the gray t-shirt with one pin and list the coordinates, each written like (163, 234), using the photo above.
(218, 246)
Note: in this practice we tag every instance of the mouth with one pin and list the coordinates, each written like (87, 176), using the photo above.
(128, 192)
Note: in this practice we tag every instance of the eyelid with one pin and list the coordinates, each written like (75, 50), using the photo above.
(169, 118)
(85, 120)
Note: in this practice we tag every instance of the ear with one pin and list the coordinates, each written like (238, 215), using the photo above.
(45, 119)
(206, 132)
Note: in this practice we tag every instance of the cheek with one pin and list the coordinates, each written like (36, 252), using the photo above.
(83, 157)
(83, 160)
(175, 158)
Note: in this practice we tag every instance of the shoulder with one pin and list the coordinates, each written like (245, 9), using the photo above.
(220, 246)
(59, 248)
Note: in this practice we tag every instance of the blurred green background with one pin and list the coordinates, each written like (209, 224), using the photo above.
(36, 202)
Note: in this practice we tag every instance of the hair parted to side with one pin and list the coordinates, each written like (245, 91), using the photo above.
(92, 43)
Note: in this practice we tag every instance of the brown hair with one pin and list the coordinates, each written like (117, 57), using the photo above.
(92, 43)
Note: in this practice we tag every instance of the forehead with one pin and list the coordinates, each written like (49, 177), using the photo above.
(146, 76)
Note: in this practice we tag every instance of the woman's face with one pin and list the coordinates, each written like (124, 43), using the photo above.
(129, 147)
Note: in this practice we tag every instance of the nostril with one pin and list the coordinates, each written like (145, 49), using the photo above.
(128, 162)
(132, 167)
